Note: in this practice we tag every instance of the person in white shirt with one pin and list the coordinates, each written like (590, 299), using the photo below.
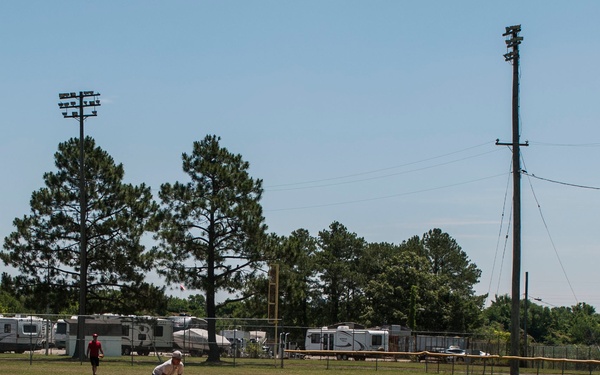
(171, 367)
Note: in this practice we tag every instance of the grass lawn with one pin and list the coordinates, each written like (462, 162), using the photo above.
(39, 364)
(23, 364)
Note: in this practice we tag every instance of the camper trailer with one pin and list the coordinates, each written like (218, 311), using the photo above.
(343, 339)
(144, 335)
(19, 334)
(60, 334)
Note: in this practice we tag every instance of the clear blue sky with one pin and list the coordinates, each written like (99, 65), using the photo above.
(381, 115)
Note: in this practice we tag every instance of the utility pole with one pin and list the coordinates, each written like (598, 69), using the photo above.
(525, 313)
(513, 40)
(77, 104)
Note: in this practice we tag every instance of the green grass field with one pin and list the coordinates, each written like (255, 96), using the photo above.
(39, 364)
(23, 364)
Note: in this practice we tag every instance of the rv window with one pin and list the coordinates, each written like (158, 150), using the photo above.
(158, 331)
(29, 328)
(7, 328)
(142, 336)
(125, 330)
(61, 327)
(377, 340)
(315, 338)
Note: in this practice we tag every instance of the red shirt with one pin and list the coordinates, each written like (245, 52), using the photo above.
(94, 348)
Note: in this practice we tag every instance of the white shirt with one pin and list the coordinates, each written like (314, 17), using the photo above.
(168, 368)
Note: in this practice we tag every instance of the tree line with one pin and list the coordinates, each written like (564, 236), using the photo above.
(209, 234)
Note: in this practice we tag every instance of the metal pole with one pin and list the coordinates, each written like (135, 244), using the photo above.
(81, 105)
(83, 240)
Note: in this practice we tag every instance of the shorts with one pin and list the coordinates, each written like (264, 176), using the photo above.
(95, 361)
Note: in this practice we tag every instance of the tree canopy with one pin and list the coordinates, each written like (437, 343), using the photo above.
(210, 229)
(45, 247)
(210, 235)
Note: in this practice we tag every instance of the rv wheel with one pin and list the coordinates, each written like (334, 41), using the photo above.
(344, 357)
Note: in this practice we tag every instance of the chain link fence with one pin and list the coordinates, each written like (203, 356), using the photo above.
(243, 340)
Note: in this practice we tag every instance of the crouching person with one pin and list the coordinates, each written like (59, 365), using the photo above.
(171, 367)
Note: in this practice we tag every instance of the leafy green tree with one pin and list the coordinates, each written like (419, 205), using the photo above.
(9, 302)
(499, 312)
(457, 307)
(337, 259)
(45, 245)
(585, 326)
(539, 321)
(295, 256)
(211, 229)
(400, 285)
(194, 305)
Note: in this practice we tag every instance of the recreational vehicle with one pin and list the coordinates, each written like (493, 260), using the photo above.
(19, 334)
(60, 334)
(346, 342)
(145, 335)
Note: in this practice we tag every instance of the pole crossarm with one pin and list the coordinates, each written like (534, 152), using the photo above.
(498, 143)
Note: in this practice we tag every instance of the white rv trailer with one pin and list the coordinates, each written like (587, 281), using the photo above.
(19, 334)
(143, 334)
(60, 334)
(344, 339)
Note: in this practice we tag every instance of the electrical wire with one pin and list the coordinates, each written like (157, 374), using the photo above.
(559, 182)
(549, 235)
(499, 237)
(384, 176)
(566, 144)
(384, 197)
(274, 187)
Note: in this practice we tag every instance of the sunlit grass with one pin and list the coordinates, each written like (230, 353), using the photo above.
(38, 364)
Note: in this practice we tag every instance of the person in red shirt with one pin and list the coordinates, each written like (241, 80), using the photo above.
(93, 352)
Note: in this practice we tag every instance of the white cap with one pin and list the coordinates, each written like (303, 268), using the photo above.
(176, 354)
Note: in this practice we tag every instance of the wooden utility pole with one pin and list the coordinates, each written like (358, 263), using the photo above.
(512, 42)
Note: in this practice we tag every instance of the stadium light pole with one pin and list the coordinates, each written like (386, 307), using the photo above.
(81, 106)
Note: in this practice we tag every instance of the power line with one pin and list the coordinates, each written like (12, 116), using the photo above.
(559, 182)
(551, 240)
(384, 176)
(499, 237)
(566, 144)
(274, 187)
(384, 197)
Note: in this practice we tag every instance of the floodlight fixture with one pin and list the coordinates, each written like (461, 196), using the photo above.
(512, 30)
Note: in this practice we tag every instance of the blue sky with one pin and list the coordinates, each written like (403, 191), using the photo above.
(381, 115)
